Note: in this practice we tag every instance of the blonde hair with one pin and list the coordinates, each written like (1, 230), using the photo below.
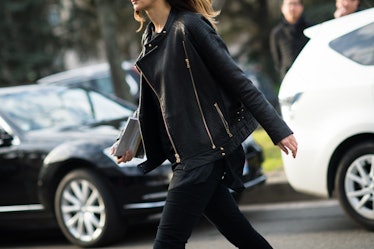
(204, 7)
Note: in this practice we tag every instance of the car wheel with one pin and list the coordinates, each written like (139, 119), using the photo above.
(355, 184)
(85, 210)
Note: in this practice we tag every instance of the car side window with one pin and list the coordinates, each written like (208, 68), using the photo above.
(105, 109)
(357, 45)
(103, 84)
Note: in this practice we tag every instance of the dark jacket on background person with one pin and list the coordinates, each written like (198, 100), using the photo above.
(286, 42)
(208, 106)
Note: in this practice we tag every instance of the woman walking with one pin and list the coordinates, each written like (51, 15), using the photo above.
(196, 107)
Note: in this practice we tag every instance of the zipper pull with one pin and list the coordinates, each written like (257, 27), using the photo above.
(177, 158)
(187, 63)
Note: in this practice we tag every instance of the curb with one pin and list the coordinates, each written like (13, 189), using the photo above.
(276, 189)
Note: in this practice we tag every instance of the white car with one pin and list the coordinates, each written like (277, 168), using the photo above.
(327, 98)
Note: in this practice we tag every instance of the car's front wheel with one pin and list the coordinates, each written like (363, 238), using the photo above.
(355, 184)
(85, 210)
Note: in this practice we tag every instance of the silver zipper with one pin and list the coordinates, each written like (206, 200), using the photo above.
(197, 97)
(225, 123)
(176, 154)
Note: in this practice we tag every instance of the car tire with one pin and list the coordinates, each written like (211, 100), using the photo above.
(86, 211)
(355, 184)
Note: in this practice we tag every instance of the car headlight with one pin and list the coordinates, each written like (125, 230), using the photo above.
(288, 105)
(290, 101)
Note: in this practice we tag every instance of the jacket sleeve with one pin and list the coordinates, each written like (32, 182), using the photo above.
(215, 55)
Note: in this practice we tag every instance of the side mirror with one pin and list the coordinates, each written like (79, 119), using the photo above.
(5, 138)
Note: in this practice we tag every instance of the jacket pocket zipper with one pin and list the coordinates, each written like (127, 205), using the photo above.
(225, 123)
(188, 65)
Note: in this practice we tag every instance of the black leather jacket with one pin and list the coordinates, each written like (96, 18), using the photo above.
(208, 105)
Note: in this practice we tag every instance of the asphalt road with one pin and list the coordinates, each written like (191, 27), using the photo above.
(307, 224)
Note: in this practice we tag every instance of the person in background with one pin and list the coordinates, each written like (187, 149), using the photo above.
(287, 38)
(196, 108)
(346, 7)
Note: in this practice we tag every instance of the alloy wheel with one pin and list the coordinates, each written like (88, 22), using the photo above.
(83, 210)
(359, 186)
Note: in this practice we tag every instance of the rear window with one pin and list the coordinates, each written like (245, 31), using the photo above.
(357, 45)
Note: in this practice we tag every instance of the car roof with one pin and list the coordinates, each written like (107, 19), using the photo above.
(22, 88)
(77, 73)
(337, 27)
(80, 73)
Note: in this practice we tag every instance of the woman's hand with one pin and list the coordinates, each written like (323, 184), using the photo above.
(128, 156)
(289, 143)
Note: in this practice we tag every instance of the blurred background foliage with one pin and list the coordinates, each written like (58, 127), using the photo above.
(41, 37)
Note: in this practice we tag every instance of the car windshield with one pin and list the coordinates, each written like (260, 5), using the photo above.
(59, 107)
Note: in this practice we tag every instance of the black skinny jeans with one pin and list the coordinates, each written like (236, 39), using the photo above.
(211, 198)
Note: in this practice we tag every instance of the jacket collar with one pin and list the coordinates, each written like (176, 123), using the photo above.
(147, 38)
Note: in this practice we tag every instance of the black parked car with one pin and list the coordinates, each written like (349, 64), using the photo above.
(55, 165)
